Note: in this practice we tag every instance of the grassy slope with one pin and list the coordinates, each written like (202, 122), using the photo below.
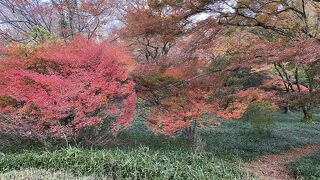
(147, 155)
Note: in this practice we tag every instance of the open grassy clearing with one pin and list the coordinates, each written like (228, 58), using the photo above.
(218, 154)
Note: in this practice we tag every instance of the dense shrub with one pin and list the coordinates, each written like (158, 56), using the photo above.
(259, 114)
(254, 80)
(60, 90)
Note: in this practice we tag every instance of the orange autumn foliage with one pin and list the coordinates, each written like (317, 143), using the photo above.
(243, 98)
(182, 111)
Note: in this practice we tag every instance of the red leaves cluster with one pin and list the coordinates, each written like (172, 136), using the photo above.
(63, 88)
(180, 97)
(300, 51)
(145, 23)
(93, 7)
(179, 112)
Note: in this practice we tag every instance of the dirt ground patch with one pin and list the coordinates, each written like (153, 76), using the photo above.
(273, 166)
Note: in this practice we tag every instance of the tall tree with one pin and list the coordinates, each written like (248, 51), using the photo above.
(285, 21)
(64, 18)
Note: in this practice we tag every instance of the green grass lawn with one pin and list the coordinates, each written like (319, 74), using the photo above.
(144, 155)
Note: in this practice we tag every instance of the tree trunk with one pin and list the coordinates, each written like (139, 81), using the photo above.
(190, 131)
(286, 109)
(308, 115)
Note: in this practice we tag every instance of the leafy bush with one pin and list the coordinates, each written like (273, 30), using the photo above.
(259, 114)
(60, 90)
(254, 80)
